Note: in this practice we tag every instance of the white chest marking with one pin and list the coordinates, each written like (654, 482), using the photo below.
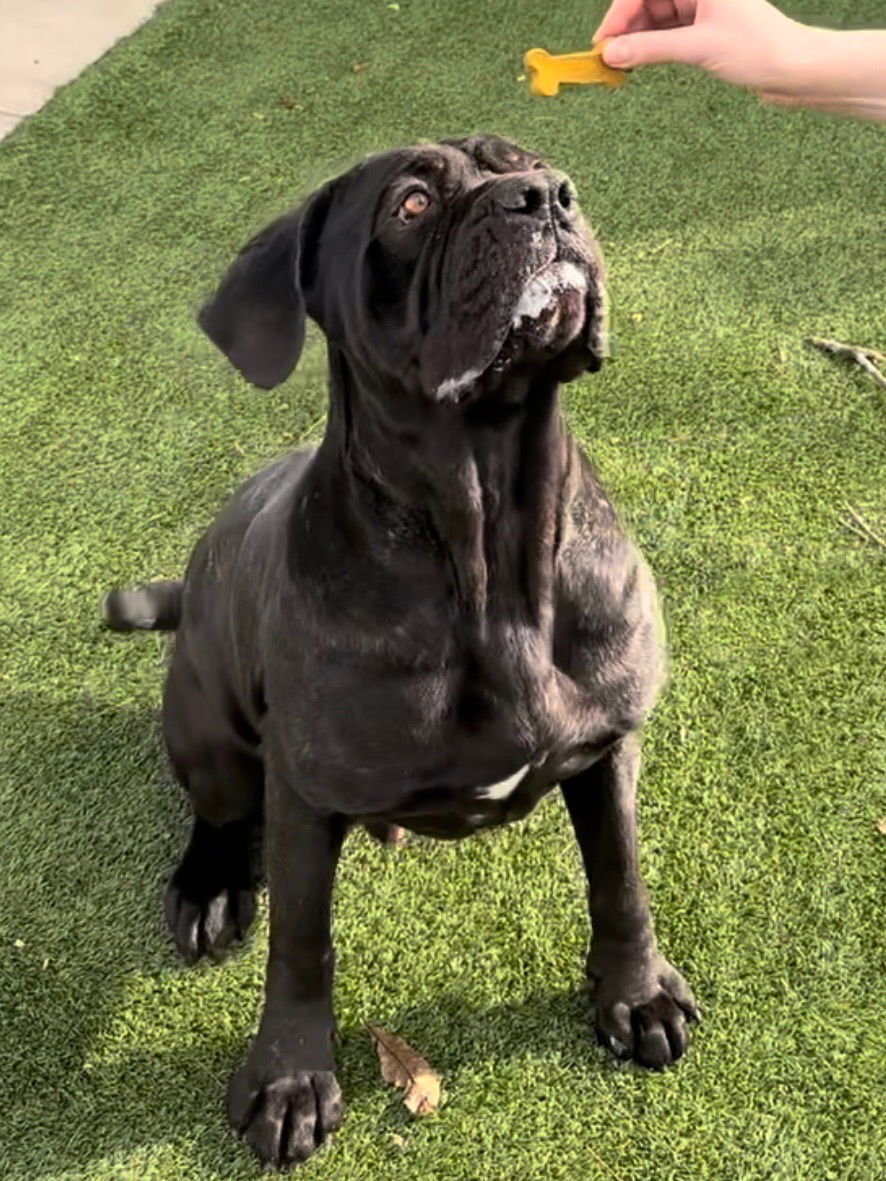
(501, 791)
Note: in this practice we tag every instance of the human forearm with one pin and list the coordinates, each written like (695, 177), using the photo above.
(834, 70)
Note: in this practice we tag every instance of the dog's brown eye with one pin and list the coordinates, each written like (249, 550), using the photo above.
(413, 205)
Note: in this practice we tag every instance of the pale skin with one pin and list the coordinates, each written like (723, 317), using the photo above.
(751, 43)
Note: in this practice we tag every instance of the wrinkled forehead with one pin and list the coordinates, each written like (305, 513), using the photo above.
(453, 164)
(452, 167)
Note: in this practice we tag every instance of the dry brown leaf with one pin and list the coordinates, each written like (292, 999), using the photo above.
(404, 1067)
(881, 826)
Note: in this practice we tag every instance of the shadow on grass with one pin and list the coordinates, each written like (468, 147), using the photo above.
(88, 837)
(153, 1098)
(83, 889)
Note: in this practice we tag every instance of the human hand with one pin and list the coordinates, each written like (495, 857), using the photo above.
(751, 43)
(748, 42)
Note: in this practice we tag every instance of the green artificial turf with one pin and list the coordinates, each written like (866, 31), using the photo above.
(731, 231)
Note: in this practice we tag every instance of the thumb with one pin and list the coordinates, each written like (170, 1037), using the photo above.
(654, 48)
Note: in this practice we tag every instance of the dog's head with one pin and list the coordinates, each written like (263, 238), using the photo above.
(438, 271)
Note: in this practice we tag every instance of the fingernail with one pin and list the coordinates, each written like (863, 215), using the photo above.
(615, 53)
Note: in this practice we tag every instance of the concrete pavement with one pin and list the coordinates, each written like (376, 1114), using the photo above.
(45, 43)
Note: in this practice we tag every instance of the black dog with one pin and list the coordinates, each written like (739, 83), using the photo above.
(430, 620)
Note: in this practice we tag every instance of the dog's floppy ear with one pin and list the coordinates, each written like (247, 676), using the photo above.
(257, 316)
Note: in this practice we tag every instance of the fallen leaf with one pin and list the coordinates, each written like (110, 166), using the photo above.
(360, 67)
(881, 826)
(403, 1067)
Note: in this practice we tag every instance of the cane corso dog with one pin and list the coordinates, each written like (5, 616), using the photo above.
(428, 621)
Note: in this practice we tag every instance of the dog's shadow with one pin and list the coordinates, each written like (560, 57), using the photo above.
(91, 829)
(84, 912)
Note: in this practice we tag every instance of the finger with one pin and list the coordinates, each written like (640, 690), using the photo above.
(663, 14)
(685, 11)
(635, 16)
(655, 48)
(623, 16)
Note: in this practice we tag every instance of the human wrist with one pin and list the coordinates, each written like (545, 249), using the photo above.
(799, 59)
(833, 63)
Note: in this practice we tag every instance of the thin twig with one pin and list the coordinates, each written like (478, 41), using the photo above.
(861, 527)
(866, 358)
(600, 1161)
(309, 435)
(859, 533)
(865, 525)
(836, 346)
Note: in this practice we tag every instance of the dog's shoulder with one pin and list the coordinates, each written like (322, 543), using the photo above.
(608, 626)
(597, 564)
(259, 504)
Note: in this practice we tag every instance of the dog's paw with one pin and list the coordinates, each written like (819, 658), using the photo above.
(207, 925)
(286, 1118)
(643, 1008)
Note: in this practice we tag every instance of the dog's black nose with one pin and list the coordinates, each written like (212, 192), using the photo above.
(536, 194)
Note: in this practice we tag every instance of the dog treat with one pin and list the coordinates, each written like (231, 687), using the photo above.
(547, 71)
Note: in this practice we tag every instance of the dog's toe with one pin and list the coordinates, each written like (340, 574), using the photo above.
(207, 926)
(286, 1119)
(644, 1014)
(660, 1034)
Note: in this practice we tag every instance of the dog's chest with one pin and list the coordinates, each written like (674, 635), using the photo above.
(503, 788)
(443, 750)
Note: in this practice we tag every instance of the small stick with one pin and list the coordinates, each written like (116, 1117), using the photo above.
(862, 528)
(866, 358)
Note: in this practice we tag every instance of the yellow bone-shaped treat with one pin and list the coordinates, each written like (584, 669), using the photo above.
(547, 70)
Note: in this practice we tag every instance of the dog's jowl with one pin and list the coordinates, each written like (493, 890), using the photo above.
(429, 621)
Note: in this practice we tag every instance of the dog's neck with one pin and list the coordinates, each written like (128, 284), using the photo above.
(488, 481)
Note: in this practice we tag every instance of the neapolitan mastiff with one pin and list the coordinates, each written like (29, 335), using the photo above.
(428, 621)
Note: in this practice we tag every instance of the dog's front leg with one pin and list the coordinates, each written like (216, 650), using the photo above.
(285, 1100)
(642, 1002)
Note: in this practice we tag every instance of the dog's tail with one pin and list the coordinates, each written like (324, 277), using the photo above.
(156, 607)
